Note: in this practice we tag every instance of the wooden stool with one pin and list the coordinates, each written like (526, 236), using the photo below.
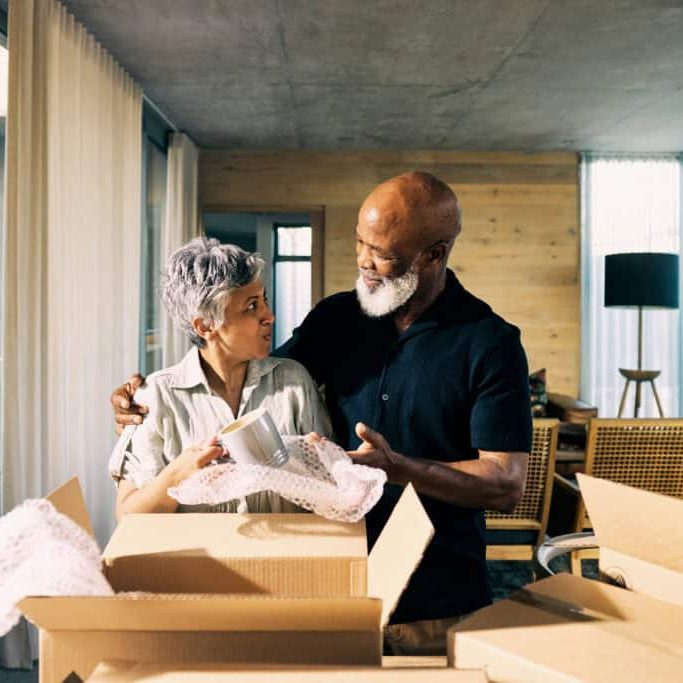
(639, 376)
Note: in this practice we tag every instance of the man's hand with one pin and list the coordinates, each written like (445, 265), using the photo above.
(493, 481)
(126, 411)
(376, 452)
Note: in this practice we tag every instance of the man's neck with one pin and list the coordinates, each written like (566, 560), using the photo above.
(405, 316)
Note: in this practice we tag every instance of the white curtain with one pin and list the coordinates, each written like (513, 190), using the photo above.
(71, 257)
(628, 205)
(180, 225)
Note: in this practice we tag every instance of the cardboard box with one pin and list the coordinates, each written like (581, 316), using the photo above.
(640, 536)
(397, 670)
(567, 628)
(254, 627)
(285, 554)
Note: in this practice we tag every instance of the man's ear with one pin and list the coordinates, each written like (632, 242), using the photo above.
(203, 327)
(437, 252)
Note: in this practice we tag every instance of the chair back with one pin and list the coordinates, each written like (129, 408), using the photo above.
(532, 511)
(643, 453)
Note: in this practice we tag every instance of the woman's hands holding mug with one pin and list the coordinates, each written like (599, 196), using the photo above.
(195, 458)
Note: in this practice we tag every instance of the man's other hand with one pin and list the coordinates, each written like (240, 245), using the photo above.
(374, 451)
(126, 411)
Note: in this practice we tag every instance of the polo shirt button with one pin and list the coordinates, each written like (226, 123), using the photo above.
(385, 397)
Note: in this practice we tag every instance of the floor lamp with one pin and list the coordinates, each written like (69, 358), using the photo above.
(644, 280)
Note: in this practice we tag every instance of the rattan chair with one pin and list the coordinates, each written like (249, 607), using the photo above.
(643, 453)
(514, 536)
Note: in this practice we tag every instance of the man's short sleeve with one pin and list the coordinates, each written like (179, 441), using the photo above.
(501, 413)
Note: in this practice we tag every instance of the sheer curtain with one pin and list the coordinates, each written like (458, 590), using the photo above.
(628, 205)
(180, 225)
(71, 257)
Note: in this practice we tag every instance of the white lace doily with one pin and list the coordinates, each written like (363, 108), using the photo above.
(318, 476)
(43, 552)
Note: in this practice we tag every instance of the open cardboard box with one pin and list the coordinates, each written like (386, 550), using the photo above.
(567, 628)
(125, 672)
(261, 610)
(640, 535)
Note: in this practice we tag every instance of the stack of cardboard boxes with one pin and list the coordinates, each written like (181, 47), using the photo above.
(567, 628)
(299, 598)
(255, 589)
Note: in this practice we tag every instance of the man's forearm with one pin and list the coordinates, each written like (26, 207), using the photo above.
(468, 483)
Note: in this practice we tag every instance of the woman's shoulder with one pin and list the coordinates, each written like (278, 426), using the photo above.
(286, 367)
(160, 381)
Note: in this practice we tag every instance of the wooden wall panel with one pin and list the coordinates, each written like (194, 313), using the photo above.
(519, 249)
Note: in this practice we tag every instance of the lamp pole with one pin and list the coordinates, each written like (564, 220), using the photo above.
(636, 408)
(640, 337)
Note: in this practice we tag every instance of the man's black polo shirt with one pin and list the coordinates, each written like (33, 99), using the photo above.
(454, 382)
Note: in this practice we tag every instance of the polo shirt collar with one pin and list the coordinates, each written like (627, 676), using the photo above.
(454, 305)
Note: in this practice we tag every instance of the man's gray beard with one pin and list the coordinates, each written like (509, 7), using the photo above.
(388, 296)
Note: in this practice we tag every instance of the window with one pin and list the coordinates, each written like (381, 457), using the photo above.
(292, 261)
(628, 205)
(154, 169)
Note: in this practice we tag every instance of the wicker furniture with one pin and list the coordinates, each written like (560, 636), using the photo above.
(514, 536)
(644, 453)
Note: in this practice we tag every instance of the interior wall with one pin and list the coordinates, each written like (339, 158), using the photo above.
(519, 248)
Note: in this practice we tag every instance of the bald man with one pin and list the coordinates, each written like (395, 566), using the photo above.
(424, 381)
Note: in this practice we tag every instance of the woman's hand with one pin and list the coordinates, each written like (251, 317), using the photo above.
(153, 497)
(314, 437)
(194, 458)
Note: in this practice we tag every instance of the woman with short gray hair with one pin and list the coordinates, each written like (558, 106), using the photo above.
(214, 293)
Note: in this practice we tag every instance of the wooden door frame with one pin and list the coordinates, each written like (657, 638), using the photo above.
(317, 220)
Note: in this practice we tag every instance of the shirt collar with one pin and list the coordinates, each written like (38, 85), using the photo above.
(189, 373)
(455, 304)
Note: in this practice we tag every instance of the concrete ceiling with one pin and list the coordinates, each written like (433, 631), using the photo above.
(602, 75)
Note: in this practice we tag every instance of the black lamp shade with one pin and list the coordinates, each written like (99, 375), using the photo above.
(641, 280)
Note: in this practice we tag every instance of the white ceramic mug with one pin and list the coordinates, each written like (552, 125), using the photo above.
(253, 439)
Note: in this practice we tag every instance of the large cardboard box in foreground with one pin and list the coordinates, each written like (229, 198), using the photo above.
(568, 628)
(260, 613)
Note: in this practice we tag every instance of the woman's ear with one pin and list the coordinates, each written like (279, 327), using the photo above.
(203, 327)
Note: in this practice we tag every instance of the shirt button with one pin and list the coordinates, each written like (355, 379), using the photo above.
(385, 397)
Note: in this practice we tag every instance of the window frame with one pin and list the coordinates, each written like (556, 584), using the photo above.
(155, 130)
(281, 258)
(3, 43)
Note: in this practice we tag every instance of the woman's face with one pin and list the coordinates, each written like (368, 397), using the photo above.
(247, 330)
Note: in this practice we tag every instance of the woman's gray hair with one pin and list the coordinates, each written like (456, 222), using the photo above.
(198, 279)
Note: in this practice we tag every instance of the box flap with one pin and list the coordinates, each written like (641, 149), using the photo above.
(398, 551)
(537, 633)
(635, 522)
(567, 598)
(140, 612)
(68, 499)
(168, 672)
(236, 536)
